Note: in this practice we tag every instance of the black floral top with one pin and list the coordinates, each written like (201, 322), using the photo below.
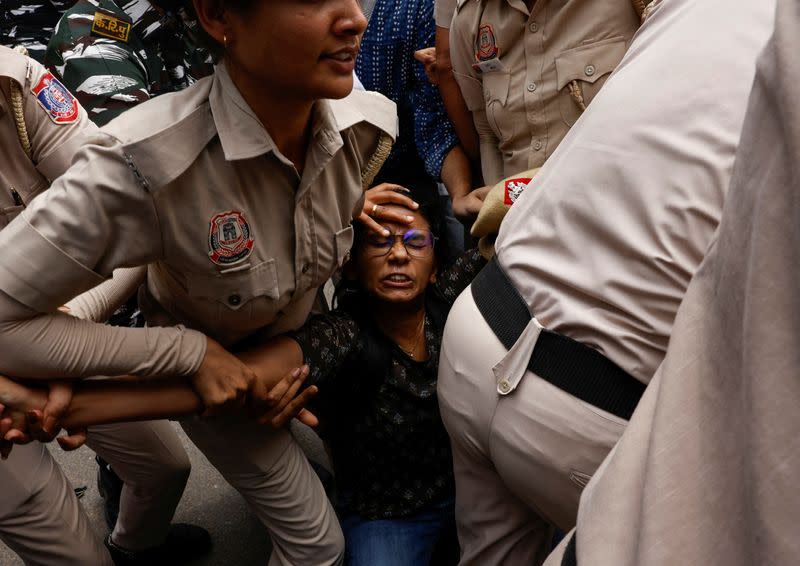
(390, 450)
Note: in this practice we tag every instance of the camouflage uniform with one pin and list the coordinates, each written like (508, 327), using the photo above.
(30, 23)
(114, 54)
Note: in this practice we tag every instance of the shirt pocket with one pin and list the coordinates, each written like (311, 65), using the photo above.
(343, 242)
(495, 92)
(9, 213)
(585, 69)
(234, 290)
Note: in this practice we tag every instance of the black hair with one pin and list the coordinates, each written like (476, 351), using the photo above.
(350, 296)
(217, 50)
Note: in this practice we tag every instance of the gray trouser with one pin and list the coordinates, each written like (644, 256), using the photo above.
(520, 460)
(271, 472)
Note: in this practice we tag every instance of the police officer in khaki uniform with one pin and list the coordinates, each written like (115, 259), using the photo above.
(527, 70)
(239, 225)
(41, 127)
(600, 251)
(40, 517)
(706, 472)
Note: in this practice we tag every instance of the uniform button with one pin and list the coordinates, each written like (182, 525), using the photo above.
(504, 386)
(537, 145)
(534, 27)
(235, 299)
(531, 87)
(589, 70)
(305, 268)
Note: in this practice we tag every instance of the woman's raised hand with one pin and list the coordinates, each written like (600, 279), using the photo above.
(374, 209)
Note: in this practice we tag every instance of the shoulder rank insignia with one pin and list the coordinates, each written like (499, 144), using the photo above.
(514, 188)
(230, 239)
(110, 26)
(57, 101)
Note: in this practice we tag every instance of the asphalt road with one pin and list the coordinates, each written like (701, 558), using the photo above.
(208, 501)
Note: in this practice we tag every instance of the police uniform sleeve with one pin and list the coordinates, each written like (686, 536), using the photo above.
(55, 128)
(443, 12)
(97, 217)
(462, 57)
(98, 304)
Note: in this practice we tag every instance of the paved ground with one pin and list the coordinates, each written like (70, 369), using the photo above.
(208, 501)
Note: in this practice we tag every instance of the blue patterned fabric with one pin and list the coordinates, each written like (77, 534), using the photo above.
(386, 64)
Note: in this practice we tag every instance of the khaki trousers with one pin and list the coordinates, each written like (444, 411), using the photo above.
(40, 517)
(271, 472)
(521, 460)
(149, 457)
(42, 520)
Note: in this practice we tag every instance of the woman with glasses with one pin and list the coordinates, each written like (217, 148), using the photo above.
(374, 361)
(237, 194)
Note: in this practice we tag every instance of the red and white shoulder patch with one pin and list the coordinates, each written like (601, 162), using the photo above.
(56, 100)
(514, 188)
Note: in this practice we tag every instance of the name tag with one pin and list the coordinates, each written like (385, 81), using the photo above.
(109, 26)
(488, 66)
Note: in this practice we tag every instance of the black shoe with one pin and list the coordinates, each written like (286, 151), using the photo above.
(184, 543)
(109, 485)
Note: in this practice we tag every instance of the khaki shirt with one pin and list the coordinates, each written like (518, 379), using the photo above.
(443, 11)
(192, 184)
(515, 69)
(706, 472)
(52, 144)
(603, 244)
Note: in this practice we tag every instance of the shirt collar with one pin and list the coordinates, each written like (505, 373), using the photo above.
(243, 136)
(240, 131)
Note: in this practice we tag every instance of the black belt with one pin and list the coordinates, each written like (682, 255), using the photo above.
(570, 557)
(581, 371)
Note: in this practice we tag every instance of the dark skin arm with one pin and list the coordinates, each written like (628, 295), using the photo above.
(454, 103)
(278, 376)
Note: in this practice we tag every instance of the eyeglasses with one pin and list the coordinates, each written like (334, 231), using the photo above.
(418, 243)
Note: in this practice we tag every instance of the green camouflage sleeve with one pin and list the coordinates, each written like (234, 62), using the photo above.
(106, 75)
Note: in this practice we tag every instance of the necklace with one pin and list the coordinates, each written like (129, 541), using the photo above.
(420, 333)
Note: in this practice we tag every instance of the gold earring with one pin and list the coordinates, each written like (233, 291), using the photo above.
(224, 40)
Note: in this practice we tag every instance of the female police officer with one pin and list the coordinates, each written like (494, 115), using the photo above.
(238, 193)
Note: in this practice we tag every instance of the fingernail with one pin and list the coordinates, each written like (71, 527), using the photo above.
(304, 369)
(409, 219)
(295, 372)
(416, 205)
(385, 233)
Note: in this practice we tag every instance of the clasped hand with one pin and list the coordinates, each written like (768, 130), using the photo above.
(224, 382)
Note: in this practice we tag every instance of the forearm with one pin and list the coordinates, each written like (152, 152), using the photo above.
(54, 346)
(456, 174)
(454, 103)
(111, 401)
(491, 158)
(99, 304)
(122, 400)
(272, 360)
